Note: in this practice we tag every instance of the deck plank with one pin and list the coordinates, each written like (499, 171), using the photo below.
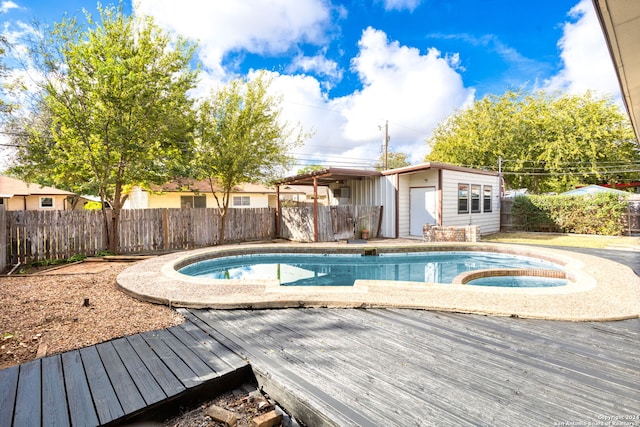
(104, 396)
(81, 409)
(199, 348)
(145, 382)
(222, 348)
(178, 367)
(216, 355)
(192, 360)
(407, 367)
(28, 409)
(125, 388)
(166, 379)
(8, 388)
(328, 410)
(54, 396)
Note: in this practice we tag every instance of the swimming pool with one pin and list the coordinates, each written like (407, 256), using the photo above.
(322, 269)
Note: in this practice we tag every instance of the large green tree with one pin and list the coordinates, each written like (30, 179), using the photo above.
(545, 142)
(115, 92)
(393, 160)
(241, 137)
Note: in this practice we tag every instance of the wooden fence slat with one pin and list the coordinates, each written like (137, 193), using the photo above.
(37, 235)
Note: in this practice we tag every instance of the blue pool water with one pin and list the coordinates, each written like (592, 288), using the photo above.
(293, 269)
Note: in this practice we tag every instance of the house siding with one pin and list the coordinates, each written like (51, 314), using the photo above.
(489, 222)
(404, 205)
(17, 203)
(172, 200)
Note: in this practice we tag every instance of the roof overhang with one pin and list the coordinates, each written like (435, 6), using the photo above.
(436, 165)
(328, 176)
(620, 21)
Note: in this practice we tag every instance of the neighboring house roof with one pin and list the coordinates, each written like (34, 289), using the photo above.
(204, 187)
(620, 21)
(10, 187)
(592, 189)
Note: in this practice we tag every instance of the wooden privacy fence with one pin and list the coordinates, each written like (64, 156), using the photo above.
(38, 235)
(4, 241)
(334, 222)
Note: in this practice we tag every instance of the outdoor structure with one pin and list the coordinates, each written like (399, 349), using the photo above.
(431, 193)
(16, 195)
(620, 21)
(197, 194)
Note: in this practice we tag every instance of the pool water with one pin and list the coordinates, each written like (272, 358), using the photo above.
(518, 281)
(293, 269)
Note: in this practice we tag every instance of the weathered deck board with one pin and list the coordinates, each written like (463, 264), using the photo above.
(8, 388)
(113, 381)
(104, 396)
(28, 404)
(322, 407)
(407, 367)
(169, 383)
(54, 401)
(123, 385)
(142, 377)
(81, 409)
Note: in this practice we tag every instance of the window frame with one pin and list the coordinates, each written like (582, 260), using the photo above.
(241, 201)
(43, 206)
(487, 200)
(461, 198)
(476, 191)
(191, 199)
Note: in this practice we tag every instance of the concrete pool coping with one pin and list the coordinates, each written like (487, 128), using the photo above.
(598, 289)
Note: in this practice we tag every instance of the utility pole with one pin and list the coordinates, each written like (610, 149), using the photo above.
(385, 145)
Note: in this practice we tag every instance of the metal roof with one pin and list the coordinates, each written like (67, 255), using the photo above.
(328, 176)
(335, 175)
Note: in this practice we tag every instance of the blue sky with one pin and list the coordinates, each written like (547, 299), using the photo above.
(345, 68)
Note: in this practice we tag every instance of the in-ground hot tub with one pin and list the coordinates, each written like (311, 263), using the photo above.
(596, 289)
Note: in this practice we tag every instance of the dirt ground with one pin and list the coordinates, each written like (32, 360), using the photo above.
(46, 311)
(64, 308)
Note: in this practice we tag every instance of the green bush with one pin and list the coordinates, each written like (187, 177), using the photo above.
(601, 213)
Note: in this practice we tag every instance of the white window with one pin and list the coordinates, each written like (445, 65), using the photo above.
(46, 202)
(241, 201)
(475, 198)
(463, 198)
(487, 198)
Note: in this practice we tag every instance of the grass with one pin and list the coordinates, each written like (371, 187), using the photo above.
(559, 239)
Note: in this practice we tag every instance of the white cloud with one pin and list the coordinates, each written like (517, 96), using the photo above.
(318, 64)
(413, 91)
(6, 6)
(256, 26)
(399, 5)
(586, 63)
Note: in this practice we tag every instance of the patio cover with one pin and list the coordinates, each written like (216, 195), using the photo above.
(325, 177)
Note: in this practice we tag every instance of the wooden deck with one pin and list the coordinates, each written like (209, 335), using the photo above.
(347, 367)
(117, 380)
(405, 367)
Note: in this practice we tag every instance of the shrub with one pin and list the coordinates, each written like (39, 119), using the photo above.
(601, 213)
